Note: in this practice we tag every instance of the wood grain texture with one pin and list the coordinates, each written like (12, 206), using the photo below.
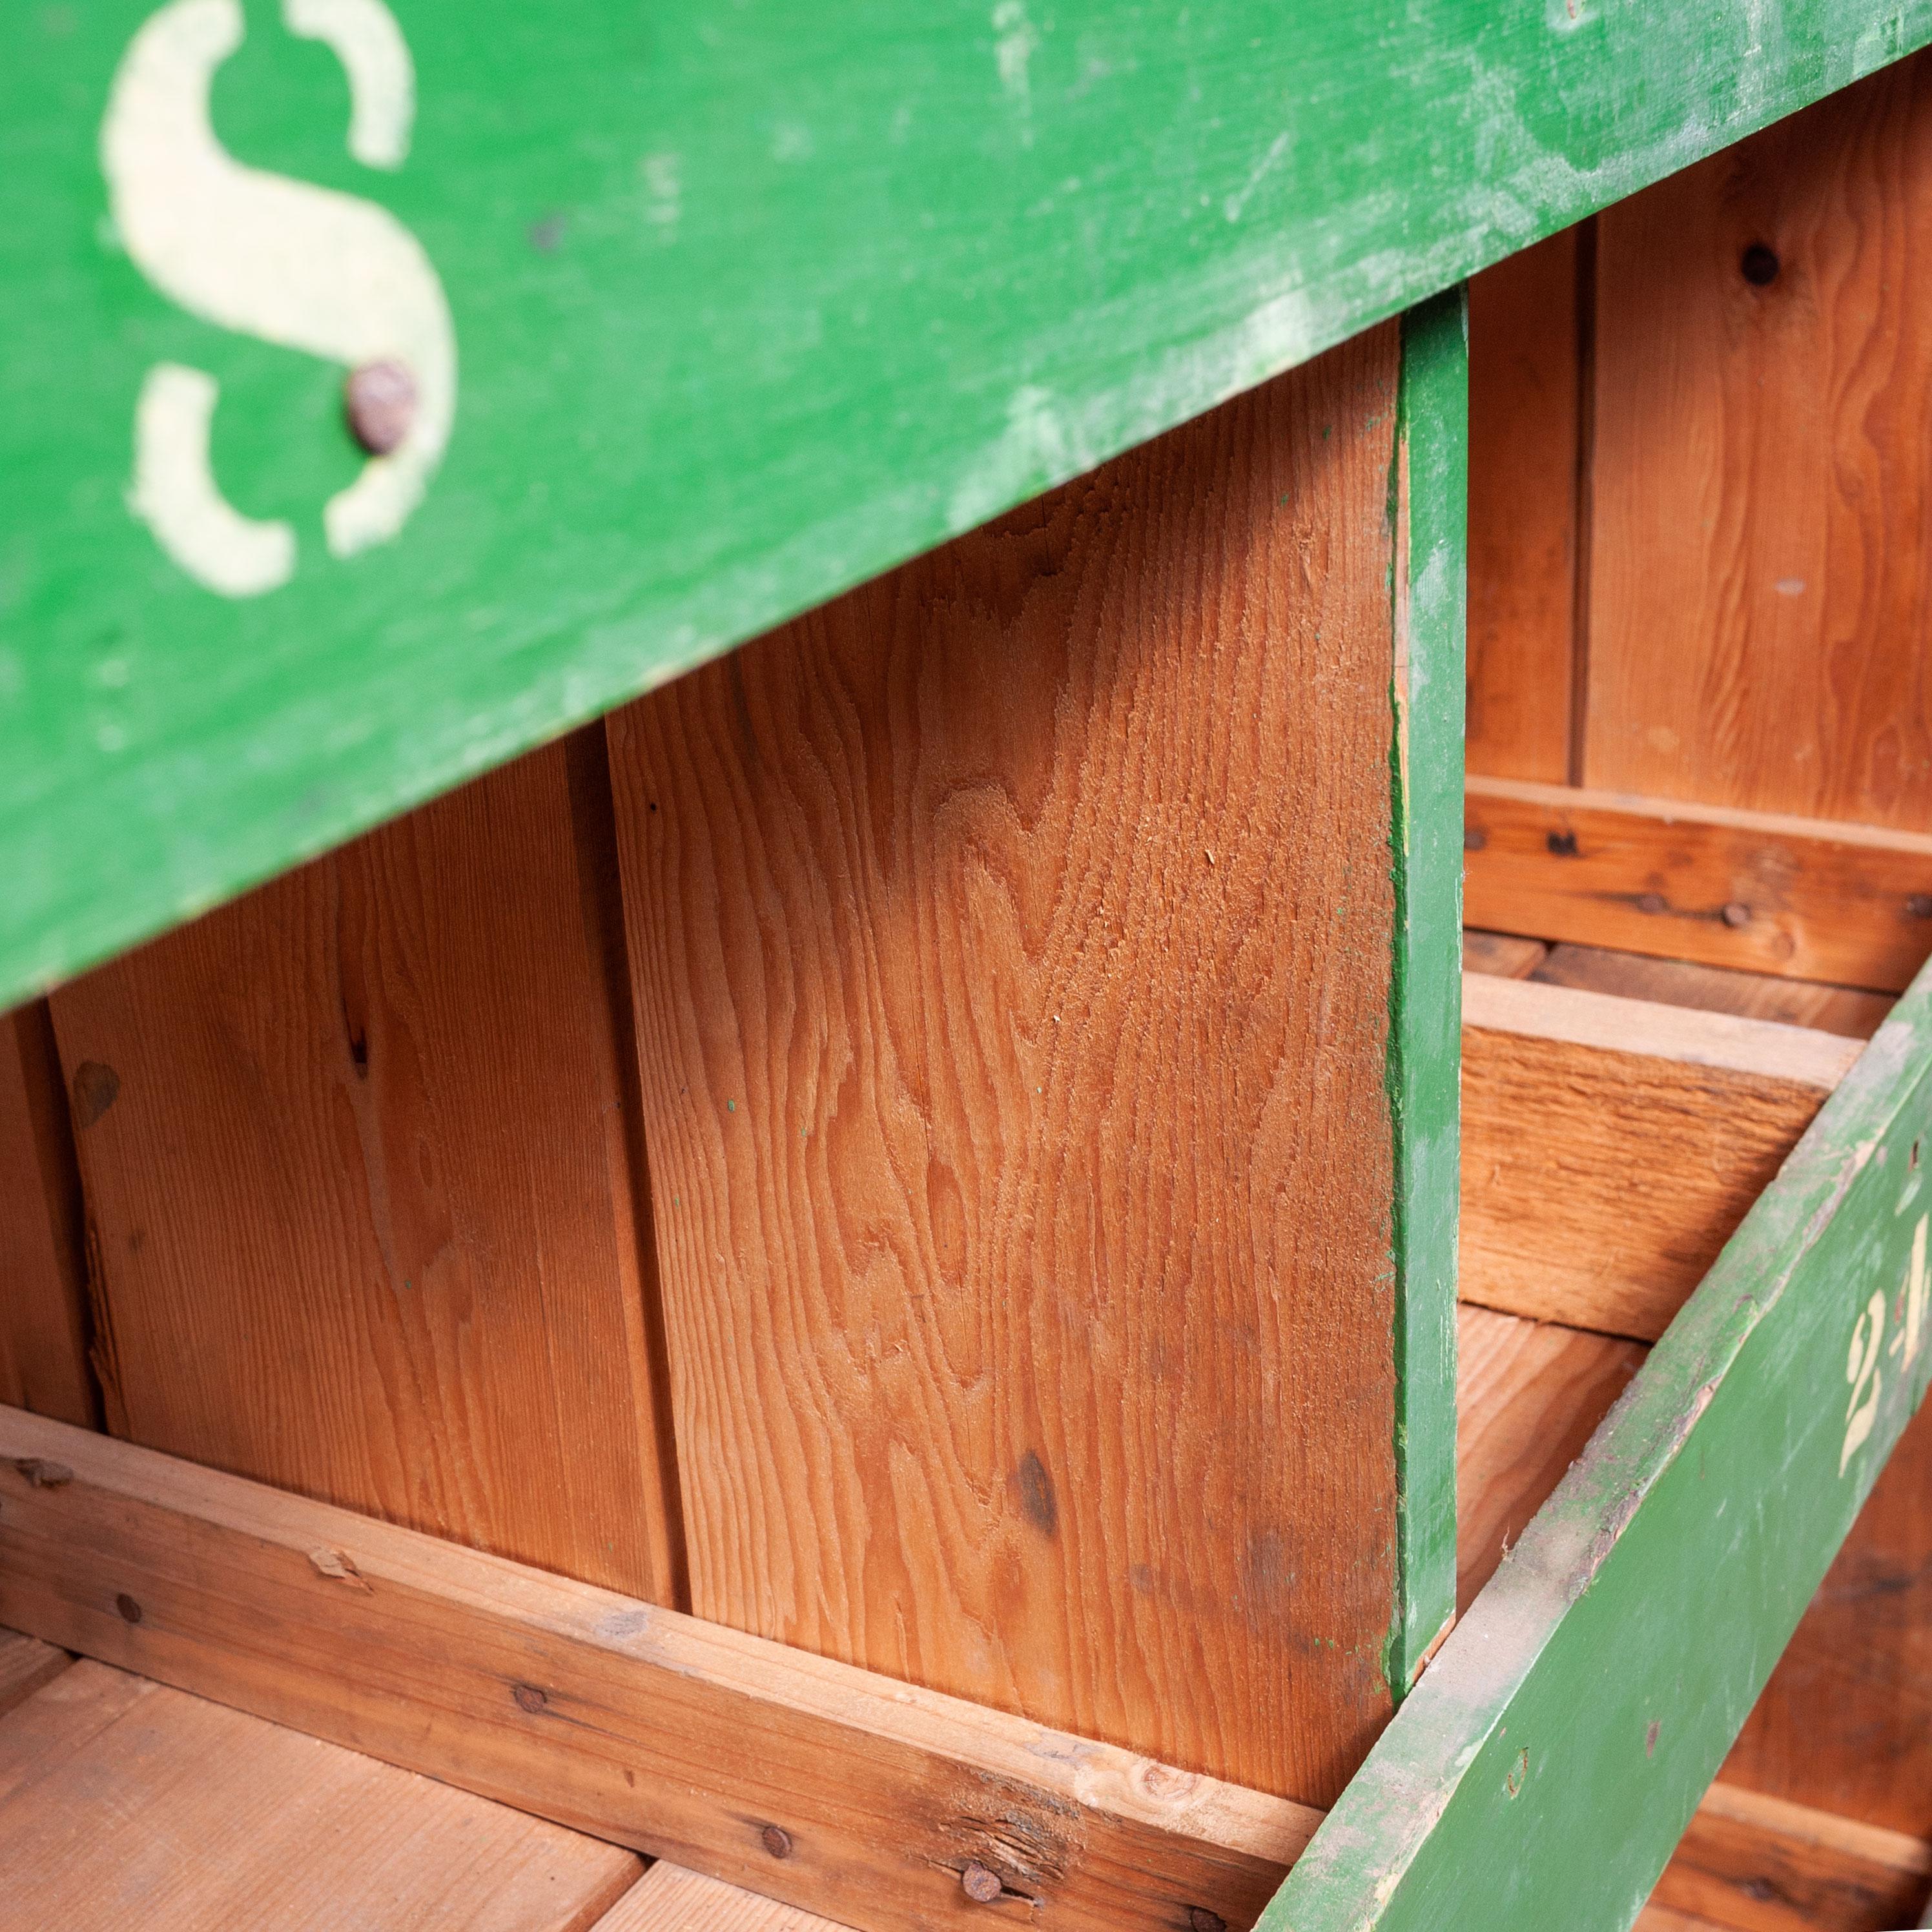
(124, 1803)
(1845, 1010)
(1499, 953)
(668, 1898)
(1612, 1146)
(1759, 593)
(359, 1174)
(1525, 421)
(25, 1664)
(639, 1725)
(44, 1363)
(1531, 1392)
(1848, 905)
(1845, 1722)
(1759, 1865)
(1012, 944)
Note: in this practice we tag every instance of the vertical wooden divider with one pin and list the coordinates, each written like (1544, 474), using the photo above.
(43, 1363)
(358, 1152)
(1013, 940)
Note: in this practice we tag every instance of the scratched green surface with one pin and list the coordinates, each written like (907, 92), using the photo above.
(752, 300)
(1431, 492)
(1543, 1769)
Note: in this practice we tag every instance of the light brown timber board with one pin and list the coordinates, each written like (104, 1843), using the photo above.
(1499, 953)
(1529, 1394)
(357, 1168)
(1760, 1864)
(1610, 1147)
(1848, 904)
(1761, 479)
(43, 1363)
(123, 1803)
(1525, 421)
(1024, 1220)
(607, 1715)
(668, 1898)
(25, 1664)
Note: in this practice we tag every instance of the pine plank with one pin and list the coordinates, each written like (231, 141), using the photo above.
(1612, 1146)
(123, 1802)
(1500, 953)
(357, 1153)
(1715, 989)
(1525, 424)
(1024, 1214)
(1762, 1864)
(25, 1664)
(668, 1898)
(42, 1269)
(1531, 1393)
(1760, 482)
(639, 1725)
(1847, 904)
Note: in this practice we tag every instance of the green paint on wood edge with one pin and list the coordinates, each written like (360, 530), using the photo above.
(1542, 1772)
(1428, 493)
(750, 302)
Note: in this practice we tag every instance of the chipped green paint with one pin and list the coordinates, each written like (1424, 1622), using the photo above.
(1428, 495)
(1543, 1769)
(721, 308)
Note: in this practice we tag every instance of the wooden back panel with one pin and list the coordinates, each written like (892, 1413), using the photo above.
(1013, 942)
(358, 1163)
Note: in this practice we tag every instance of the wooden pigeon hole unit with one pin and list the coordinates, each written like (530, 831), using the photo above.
(847, 1277)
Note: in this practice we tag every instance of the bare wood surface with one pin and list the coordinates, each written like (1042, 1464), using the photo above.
(1715, 989)
(1848, 905)
(1761, 1864)
(1012, 941)
(355, 1157)
(1610, 1147)
(636, 1724)
(1500, 953)
(1525, 421)
(668, 1898)
(123, 1802)
(43, 1363)
(1529, 1393)
(1758, 561)
(25, 1664)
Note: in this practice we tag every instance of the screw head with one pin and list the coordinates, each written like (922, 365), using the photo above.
(980, 1885)
(1737, 913)
(380, 399)
(777, 1840)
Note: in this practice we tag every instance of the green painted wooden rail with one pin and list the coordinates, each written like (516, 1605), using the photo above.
(711, 311)
(1543, 1770)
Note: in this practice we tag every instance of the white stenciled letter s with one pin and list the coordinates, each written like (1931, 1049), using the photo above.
(290, 263)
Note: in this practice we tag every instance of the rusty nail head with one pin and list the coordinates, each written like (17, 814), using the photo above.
(1758, 265)
(1474, 838)
(1650, 902)
(1737, 913)
(128, 1608)
(979, 1884)
(777, 1840)
(1919, 905)
(1202, 1920)
(529, 1698)
(380, 398)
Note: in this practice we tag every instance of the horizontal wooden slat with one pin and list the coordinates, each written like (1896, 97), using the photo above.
(1809, 898)
(668, 1898)
(1762, 1864)
(1611, 1146)
(639, 1725)
(123, 1803)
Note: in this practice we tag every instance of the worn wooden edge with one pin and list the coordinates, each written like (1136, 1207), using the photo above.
(1555, 1750)
(1766, 892)
(833, 1788)
(1429, 496)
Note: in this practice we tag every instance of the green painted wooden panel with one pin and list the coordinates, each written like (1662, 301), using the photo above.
(1543, 1770)
(1430, 496)
(713, 310)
